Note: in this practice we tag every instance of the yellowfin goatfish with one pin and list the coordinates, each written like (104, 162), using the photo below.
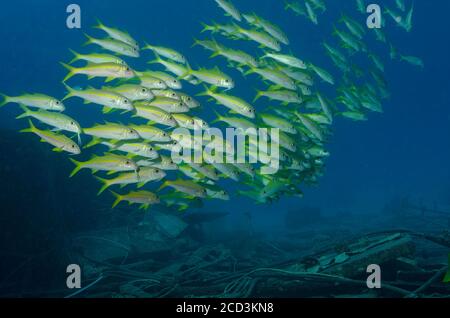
(167, 104)
(34, 100)
(168, 79)
(111, 71)
(134, 149)
(61, 142)
(131, 91)
(97, 58)
(288, 60)
(151, 133)
(264, 39)
(214, 77)
(57, 120)
(115, 46)
(100, 97)
(117, 34)
(230, 9)
(144, 198)
(166, 52)
(185, 186)
(108, 162)
(110, 131)
(145, 175)
(234, 103)
(155, 114)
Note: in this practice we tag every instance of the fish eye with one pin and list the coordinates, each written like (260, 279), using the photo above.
(125, 101)
(128, 69)
(72, 123)
(157, 171)
(151, 149)
(227, 81)
(144, 90)
(160, 83)
(128, 162)
(134, 49)
(73, 146)
(57, 103)
(131, 131)
(193, 122)
(180, 104)
(189, 99)
(175, 81)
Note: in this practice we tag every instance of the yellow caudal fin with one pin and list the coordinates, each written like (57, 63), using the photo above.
(78, 167)
(76, 57)
(105, 184)
(26, 112)
(6, 100)
(71, 70)
(31, 129)
(118, 197)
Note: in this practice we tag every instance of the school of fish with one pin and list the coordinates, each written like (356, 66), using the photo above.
(298, 97)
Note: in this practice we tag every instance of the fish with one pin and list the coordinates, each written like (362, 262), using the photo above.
(151, 82)
(213, 76)
(115, 46)
(110, 131)
(145, 175)
(167, 104)
(57, 120)
(139, 149)
(274, 76)
(167, 53)
(311, 14)
(59, 141)
(206, 170)
(243, 124)
(165, 163)
(100, 97)
(284, 96)
(144, 198)
(288, 60)
(323, 74)
(131, 91)
(167, 93)
(117, 34)
(107, 162)
(278, 122)
(35, 100)
(155, 114)
(97, 58)
(151, 133)
(413, 60)
(236, 104)
(263, 39)
(272, 29)
(169, 80)
(110, 71)
(230, 9)
(186, 186)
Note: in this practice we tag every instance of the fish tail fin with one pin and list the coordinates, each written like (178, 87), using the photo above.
(76, 56)
(163, 186)
(90, 40)
(118, 197)
(259, 94)
(94, 141)
(250, 71)
(31, 129)
(206, 27)
(206, 92)
(78, 167)
(147, 46)
(26, 112)
(99, 24)
(69, 92)
(71, 70)
(105, 186)
(6, 99)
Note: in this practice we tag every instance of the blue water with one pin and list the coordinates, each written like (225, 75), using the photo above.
(404, 151)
